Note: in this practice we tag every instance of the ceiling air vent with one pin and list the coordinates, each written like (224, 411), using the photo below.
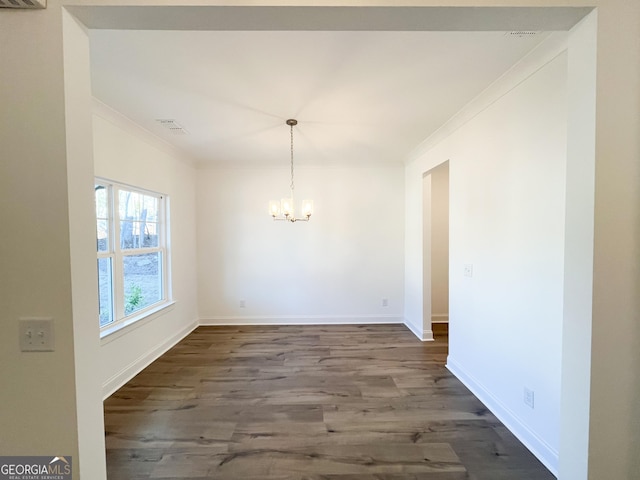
(23, 3)
(171, 125)
(521, 33)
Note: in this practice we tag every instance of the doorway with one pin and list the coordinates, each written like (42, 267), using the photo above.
(436, 250)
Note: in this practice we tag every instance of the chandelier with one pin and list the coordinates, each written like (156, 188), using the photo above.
(284, 209)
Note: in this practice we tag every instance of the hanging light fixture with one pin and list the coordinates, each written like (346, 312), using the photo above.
(284, 209)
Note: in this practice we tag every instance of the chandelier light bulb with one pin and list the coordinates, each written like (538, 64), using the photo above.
(307, 208)
(274, 208)
(287, 207)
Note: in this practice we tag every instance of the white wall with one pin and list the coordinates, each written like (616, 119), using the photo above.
(439, 227)
(578, 261)
(422, 325)
(33, 165)
(38, 397)
(614, 429)
(507, 180)
(125, 153)
(82, 241)
(336, 268)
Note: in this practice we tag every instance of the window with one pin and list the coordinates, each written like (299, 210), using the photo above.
(131, 243)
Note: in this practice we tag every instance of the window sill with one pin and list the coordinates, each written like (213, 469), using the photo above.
(115, 331)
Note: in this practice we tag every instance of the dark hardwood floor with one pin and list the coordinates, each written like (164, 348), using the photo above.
(307, 402)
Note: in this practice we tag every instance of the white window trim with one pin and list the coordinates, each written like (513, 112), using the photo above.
(117, 255)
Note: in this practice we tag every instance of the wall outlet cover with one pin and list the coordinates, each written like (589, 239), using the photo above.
(468, 270)
(529, 397)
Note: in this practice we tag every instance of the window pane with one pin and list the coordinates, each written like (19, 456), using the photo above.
(102, 235)
(138, 234)
(105, 289)
(142, 281)
(102, 218)
(149, 232)
(135, 206)
(102, 201)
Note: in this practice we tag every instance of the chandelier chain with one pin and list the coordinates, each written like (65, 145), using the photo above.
(292, 185)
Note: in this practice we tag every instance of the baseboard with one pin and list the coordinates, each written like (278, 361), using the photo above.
(424, 336)
(135, 367)
(440, 318)
(301, 320)
(541, 449)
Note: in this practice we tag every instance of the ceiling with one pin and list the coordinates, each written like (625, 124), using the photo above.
(360, 97)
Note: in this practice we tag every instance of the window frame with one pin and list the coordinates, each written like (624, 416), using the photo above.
(117, 254)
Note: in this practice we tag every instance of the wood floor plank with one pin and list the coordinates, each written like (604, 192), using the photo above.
(339, 402)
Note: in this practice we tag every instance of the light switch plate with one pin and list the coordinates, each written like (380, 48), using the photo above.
(36, 335)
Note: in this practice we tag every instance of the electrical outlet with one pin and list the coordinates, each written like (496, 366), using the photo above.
(385, 302)
(243, 304)
(468, 270)
(528, 397)
(36, 335)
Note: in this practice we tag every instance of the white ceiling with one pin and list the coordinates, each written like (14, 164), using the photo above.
(360, 97)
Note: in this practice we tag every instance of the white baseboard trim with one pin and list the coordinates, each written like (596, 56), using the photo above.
(541, 449)
(440, 318)
(424, 336)
(301, 320)
(143, 361)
